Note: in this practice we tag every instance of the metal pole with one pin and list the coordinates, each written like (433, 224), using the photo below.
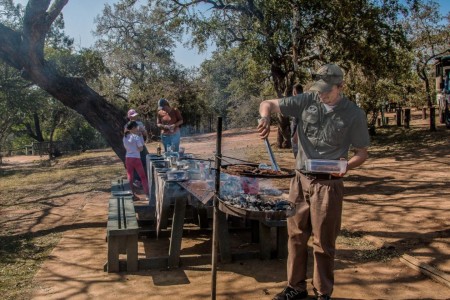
(215, 241)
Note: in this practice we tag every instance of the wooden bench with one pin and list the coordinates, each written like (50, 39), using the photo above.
(122, 234)
(120, 187)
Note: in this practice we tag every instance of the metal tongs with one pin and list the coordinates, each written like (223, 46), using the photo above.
(271, 156)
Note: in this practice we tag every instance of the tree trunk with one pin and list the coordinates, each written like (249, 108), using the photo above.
(35, 134)
(102, 115)
(23, 50)
(283, 133)
(429, 100)
(50, 149)
(37, 128)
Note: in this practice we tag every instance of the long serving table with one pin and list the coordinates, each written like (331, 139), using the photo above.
(165, 194)
(178, 194)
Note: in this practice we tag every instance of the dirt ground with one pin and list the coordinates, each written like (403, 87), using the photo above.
(397, 203)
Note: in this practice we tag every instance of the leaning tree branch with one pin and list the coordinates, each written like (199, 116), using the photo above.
(24, 51)
(55, 10)
(36, 24)
(9, 44)
(34, 32)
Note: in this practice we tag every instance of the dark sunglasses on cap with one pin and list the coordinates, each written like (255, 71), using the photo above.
(325, 77)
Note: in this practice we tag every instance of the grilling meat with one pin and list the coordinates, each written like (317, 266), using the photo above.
(242, 170)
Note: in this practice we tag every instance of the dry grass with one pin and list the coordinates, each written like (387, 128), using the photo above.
(21, 257)
(27, 187)
(32, 187)
(399, 140)
(364, 250)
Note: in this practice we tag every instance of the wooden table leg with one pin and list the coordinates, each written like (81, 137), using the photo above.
(176, 232)
(163, 201)
(113, 254)
(254, 226)
(265, 241)
(224, 239)
(202, 217)
(132, 253)
(282, 240)
(164, 213)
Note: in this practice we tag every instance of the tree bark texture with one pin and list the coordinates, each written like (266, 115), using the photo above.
(25, 52)
(283, 133)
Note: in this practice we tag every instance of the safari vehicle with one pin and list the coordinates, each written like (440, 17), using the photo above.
(442, 65)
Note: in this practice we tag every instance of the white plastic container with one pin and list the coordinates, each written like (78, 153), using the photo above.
(178, 175)
(182, 165)
(325, 166)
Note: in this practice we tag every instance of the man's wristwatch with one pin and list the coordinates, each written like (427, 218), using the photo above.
(267, 119)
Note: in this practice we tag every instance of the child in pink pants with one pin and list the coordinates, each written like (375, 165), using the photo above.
(133, 145)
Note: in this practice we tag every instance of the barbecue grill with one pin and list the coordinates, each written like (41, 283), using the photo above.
(240, 194)
(256, 207)
(253, 170)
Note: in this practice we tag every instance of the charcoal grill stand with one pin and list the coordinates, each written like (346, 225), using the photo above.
(220, 226)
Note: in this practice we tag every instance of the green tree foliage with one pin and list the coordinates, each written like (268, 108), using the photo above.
(24, 39)
(31, 115)
(290, 37)
(195, 110)
(37, 116)
(137, 44)
(373, 92)
(13, 105)
(79, 134)
(429, 36)
(232, 83)
(138, 50)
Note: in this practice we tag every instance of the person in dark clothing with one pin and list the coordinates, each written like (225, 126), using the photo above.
(329, 125)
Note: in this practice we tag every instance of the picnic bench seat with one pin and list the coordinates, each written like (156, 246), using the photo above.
(121, 187)
(122, 234)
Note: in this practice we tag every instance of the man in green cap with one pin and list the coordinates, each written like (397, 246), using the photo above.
(329, 126)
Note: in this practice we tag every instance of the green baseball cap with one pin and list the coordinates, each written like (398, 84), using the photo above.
(326, 77)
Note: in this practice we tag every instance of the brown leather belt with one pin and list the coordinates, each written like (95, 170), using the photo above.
(320, 176)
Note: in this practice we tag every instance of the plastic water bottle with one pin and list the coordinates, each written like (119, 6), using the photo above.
(158, 150)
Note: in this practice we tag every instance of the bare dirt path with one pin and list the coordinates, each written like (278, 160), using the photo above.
(398, 202)
(22, 160)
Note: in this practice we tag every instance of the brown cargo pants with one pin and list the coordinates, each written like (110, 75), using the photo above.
(319, 208)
